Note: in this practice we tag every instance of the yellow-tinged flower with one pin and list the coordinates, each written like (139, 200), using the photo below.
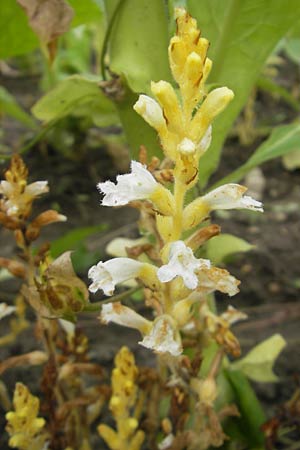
(183, 120)
(228, 196)
(24, 426)
(219, 327)
(105, 275)
(17, 195)
(122, 402)
(164, 336)
(161, 335)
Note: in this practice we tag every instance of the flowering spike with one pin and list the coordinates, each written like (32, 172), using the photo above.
(17, 195)
(26, 429)
(123, 399)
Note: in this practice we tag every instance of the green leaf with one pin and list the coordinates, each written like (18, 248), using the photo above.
(74, 95)
(242, 34)
(17, 38)
(86, 11)
(73, 239)
(252, 415)
(139, 41)
(258, 363)
(9, 106)
(219, 248)
(283, 139)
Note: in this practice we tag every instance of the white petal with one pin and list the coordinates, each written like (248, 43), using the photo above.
(105, 275)
(6, 188)
(137, 185)
(230, 196)
(183, 263)
(6, 310)
(151, 111)
(166, 442)
(205, 141)
(163, 338)
(37, 188)
(122, 315)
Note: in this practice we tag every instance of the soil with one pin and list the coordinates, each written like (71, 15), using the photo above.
(270, 273)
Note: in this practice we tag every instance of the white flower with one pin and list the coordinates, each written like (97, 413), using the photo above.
(230, 196)
(182, 263)
(163, 337)
(151, 111)
(137, 185)
(105, 275)
(159, 335)
(6, 310)
(122, 315)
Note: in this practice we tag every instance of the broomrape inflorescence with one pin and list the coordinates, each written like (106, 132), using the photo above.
(179, 286)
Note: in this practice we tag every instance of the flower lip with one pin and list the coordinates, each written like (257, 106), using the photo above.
(122, 315)
(105, 275)
(163, 337)
(137, 185)
(150, 110)
(182, 263)
(231, 196)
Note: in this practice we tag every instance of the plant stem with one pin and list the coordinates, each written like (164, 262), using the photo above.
(92, 307)
(106, 38)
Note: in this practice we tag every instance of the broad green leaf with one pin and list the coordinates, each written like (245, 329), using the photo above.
(242, 34)
(17, 38)
(73, 239)
(252, 415)
(86, 11)
(9, 106)
(258, 363)
(139, 41)
(219, 248)
(292, 48)
(291, 44)
(76, 94)
(283, 140)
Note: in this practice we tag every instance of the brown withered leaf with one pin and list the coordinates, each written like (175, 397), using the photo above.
(48, 18)
(33, 297)
(33, 358)
(62, 271)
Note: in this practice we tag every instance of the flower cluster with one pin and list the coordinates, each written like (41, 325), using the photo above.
(177, 282)
(26, 429)
(123, 404)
